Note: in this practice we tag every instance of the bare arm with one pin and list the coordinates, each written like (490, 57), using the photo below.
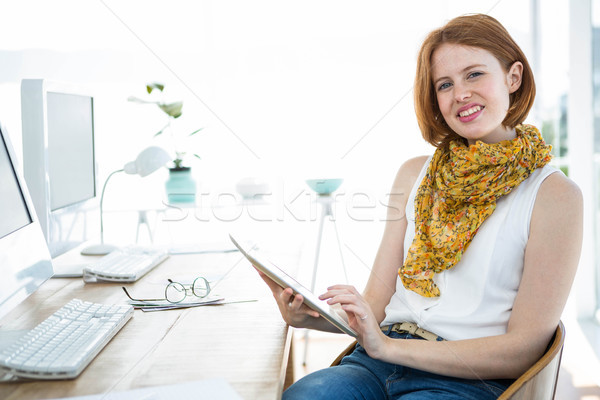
(382, 280)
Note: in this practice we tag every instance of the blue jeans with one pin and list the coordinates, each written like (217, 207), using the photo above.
(360, 377)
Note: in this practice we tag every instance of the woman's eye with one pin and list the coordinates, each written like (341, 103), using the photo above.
(474, 74)
(445, 85)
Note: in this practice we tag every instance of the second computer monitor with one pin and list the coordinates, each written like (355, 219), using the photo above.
(59, 161)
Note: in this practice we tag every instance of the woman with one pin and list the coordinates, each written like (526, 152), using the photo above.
(481, 244)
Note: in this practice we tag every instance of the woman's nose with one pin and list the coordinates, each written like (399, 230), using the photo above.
(461, 92)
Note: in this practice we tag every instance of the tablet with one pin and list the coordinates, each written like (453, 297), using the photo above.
(285, 281)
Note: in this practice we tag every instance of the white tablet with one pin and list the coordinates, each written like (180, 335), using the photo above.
(285, 281)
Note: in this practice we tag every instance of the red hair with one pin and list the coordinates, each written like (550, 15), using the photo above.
(481, 31)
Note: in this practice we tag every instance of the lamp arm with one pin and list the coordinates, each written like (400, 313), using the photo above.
(101, 203)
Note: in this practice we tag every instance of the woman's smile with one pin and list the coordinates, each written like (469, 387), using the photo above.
(470, 112)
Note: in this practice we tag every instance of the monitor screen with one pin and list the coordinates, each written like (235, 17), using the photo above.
(13, 210)
(70, 149)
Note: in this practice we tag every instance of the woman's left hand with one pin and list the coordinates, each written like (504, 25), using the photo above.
(360, 316)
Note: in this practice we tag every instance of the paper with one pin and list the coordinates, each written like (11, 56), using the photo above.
(165, 305)
(68, 270)
(214, 389)
(157, 305)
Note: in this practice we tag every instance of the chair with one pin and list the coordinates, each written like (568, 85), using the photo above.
(538, 382)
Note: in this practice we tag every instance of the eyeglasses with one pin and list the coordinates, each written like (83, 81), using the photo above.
(176, 292)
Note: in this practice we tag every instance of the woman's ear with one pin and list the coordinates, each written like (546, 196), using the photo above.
(514, 76)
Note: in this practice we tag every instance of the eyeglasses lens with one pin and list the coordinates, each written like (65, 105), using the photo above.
(175, 292)
(201, 287)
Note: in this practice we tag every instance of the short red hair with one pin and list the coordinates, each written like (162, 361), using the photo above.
(481, 31)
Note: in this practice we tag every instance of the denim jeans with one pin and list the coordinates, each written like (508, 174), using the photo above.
(360, 377)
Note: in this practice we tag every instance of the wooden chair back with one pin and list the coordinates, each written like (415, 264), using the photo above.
(538, 382)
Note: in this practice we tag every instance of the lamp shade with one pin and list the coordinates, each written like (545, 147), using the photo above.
(148, 161)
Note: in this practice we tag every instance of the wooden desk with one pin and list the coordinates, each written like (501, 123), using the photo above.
(247, 343)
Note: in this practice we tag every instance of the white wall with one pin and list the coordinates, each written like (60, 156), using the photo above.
(284, 90)
(316, 89)
(581, 146)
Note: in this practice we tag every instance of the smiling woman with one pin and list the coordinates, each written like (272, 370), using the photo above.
(477, 240)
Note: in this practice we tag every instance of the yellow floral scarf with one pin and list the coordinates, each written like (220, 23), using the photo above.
(458, 193)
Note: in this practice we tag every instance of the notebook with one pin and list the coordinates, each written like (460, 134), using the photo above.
(284, 280)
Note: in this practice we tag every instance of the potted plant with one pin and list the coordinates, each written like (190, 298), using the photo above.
(180, 187)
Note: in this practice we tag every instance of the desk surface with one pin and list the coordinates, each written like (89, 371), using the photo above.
(246, 343)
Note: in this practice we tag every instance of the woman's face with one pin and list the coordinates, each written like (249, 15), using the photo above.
(473, 91)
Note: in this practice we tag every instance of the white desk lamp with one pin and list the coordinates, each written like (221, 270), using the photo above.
(148, 161)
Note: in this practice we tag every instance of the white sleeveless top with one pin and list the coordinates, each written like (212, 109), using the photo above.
(478, 293)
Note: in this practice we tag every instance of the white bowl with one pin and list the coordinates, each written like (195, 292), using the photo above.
(252, 188)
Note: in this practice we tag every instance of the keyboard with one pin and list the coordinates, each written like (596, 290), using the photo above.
(125, 265)
(66, 342)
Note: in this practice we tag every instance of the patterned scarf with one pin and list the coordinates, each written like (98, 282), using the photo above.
(458, 193)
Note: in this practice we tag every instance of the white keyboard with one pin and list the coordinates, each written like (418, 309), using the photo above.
(66, 342)
(125, 265)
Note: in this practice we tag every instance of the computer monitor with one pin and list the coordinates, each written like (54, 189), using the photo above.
(24, 257)
(59, 161)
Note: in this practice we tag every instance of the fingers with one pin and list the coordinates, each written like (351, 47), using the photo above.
(342, 287)
(295, 303)
(291, 306)
(341, 294)
(287, 297)
(336, 290)
(350, 300)
(360, 313)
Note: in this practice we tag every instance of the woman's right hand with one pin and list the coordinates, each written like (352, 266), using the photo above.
(292, 307)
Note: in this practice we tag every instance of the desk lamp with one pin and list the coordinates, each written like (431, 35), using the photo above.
(148, 161)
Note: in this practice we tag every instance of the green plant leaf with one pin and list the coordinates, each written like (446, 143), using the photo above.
(177, 162)
(197, 156)
(172, 109)
(196, 131)
(161, 131)
(151, 86)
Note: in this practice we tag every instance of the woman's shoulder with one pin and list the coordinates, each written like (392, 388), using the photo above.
(413, 166)
(415, 163)
(560, 188)
(557, 194)
(409, 172)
